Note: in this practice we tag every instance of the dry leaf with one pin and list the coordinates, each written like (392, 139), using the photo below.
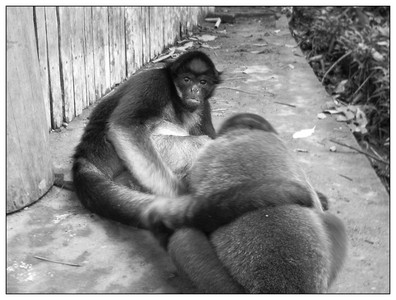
(207, 37)
(321, 116)
(377, 56)
(341, 87)
(304, 133)
(341, 119)
(333, 111)
(301, 150)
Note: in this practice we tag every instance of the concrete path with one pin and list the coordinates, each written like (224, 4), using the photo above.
(260, 60)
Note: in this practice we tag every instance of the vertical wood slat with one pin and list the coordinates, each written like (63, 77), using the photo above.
(146, 34)
(117, 45)
(29, 167)
(43, 60)
(130, 40)
(66, 59)
(101, 50)
(89, 55)
(77, 21)
(54, 68)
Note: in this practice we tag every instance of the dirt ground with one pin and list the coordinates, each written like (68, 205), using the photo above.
(264, 73)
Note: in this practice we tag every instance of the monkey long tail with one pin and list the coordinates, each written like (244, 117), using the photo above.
(101, 195)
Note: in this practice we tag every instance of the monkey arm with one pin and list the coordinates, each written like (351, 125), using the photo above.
(136, 150)
(205, 127)
(195, 257)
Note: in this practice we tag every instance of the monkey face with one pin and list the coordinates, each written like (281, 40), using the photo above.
(193, 90)
(195, 78)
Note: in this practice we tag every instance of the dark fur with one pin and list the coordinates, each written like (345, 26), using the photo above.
(118, 140)
(243, 169)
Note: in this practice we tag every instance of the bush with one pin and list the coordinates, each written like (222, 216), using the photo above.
(350, 45)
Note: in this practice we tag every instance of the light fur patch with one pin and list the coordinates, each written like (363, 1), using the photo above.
(154, 176)
(168, 128)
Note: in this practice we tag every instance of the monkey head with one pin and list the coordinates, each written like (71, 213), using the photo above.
(195, 78)
(245, 121)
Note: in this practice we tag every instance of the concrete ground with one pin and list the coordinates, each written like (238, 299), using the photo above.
(265, 70)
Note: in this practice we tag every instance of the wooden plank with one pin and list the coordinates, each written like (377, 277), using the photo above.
(66, 59)
(43, 60)
(89, 55)
(117, 45)
(29, 166)
(54, 68)
(153, 17)
(138, 33)
(121, 38)
(77, 21)
(101, 50)
(130, 40)
(176, 22)
(169, 28)
(159, 23)
(146, 34)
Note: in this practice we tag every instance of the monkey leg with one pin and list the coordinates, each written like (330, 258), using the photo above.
(195, 258)
(336, 232)
(283, 249)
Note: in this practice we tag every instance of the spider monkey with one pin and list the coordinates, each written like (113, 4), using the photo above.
(117, 168)
(293, 248)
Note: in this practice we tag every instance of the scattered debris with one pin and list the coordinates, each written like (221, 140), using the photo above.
(219, 109)
(216, 20)
(206, 37)
(346, 177)
(166, 56)
(360, 151)
(235, 89)
(304, 133)
(353, 115)
(287, 104)
(301, 150)
(57, 262)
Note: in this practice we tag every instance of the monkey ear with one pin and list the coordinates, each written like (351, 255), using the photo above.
(219, 77)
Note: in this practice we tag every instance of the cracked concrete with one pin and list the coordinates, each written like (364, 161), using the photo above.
(265, 71)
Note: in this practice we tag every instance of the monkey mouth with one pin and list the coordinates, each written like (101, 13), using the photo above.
(193, 102)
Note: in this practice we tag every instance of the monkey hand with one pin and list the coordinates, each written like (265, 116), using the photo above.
(167, 213)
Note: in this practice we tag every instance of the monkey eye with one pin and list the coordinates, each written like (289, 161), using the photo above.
(203, 82)
(186, 79)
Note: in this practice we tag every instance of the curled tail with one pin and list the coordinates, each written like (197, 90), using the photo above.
(103, 196)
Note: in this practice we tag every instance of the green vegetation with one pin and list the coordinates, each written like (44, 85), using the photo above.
(348, 48)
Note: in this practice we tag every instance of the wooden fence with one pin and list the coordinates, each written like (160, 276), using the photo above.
(84, 51)
(59, 61)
